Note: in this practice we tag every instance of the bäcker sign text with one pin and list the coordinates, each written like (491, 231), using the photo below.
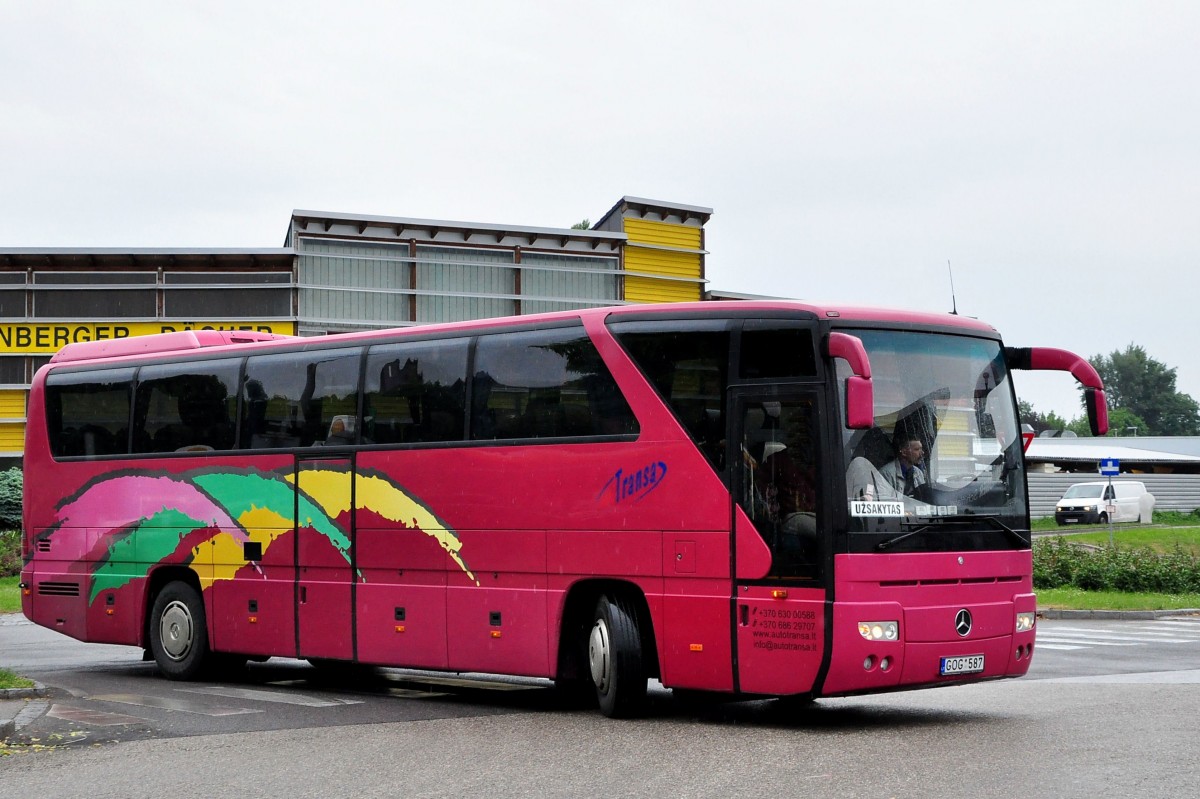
(50, 337)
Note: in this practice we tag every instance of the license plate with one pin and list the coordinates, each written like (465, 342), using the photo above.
(966, 664)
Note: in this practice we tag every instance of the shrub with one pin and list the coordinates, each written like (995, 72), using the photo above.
(10, 499)
(1058, 563)
(10, 553)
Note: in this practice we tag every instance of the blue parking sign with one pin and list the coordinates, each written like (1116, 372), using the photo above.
(1110, 466)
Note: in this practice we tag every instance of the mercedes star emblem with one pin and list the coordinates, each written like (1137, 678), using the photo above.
(962, 622)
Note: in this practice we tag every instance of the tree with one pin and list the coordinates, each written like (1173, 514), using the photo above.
(1037, 420)
(1145, 387)
(582, 225)
(1121, 422)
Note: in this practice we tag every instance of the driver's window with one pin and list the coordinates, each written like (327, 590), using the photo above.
(780, 485)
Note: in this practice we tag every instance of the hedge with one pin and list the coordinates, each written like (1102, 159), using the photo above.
(1058, 563)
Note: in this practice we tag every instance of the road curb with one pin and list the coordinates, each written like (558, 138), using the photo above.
(8, 726)
(38, 690)
(1125, 615)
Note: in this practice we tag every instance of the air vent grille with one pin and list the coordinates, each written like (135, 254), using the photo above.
(58, 589)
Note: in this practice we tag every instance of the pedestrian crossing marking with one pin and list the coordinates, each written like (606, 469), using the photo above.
(1165, 631)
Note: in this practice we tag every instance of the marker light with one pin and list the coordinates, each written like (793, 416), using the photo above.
(879, 630)
(1025, 622)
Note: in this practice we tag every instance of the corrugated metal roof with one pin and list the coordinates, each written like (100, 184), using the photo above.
(1157, 449)
(1067, 450)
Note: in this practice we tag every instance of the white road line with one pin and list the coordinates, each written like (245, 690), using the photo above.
(270, 696)
(1079, 639)
(1104, 635)
(166, 703)
(1040, 645)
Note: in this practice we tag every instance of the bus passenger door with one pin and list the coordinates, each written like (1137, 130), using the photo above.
(325, 557)
(780, 500)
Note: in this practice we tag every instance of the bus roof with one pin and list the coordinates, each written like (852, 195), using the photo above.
(190, 340)
(162, 342)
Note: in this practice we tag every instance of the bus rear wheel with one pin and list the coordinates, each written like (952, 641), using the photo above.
(178, 635)
(614, 658)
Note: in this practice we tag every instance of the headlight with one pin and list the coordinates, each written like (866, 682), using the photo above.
(879, 630)
(1025, 622)
(1089, 508)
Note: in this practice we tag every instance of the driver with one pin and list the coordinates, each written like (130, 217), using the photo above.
(904, 473)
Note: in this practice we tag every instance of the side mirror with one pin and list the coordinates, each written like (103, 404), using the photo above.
(860, 403)
(1045, 358)
(860, 391)
(1097, 410)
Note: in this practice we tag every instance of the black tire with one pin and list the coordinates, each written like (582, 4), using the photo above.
(1103, 518)
(178, 632)
(614, 658)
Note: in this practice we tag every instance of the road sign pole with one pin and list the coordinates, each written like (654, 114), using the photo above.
(1110, 507)
(1110, 467)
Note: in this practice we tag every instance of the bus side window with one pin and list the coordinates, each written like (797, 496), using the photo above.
(301, 399)
(416, 392)
(186, 407)
(690, 370)
(545, 384)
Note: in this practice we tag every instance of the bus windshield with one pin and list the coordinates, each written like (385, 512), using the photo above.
(944, 454)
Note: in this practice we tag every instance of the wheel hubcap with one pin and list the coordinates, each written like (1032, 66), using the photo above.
(176, 630)
(599, 655)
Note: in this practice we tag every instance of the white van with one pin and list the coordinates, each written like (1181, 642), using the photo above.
(1090, 503)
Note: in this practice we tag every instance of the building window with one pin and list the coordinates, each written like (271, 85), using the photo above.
(219, 295)
(12, 295)
(12, 370)
(94, 295)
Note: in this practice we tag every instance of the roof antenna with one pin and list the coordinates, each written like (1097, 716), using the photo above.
(953, 301)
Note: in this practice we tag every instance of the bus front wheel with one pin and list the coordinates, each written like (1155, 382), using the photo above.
(614, 656)
(178, 636)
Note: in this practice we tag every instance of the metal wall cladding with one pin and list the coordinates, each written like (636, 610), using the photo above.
(348, 283)
(363, 283)
(582, 280)
(464, 283)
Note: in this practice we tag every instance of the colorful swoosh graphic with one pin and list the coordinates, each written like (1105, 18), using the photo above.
(152, 516)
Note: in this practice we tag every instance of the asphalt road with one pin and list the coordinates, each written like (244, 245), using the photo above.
(1108, 709)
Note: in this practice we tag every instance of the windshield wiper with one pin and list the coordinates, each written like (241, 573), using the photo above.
(941, 521)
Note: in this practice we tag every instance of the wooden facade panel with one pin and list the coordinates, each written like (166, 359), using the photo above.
(664, 234)
(12, 436)
(663, 262)
(648, 289)
(12, 403)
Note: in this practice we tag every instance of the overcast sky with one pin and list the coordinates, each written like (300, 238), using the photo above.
(1049, 151)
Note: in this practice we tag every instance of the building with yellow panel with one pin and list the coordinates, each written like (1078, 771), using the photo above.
(664, 249)
(336, 273)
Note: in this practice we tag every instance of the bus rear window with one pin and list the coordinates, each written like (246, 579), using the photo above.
(88, 413)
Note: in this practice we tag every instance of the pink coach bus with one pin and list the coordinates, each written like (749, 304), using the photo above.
(749, 498)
